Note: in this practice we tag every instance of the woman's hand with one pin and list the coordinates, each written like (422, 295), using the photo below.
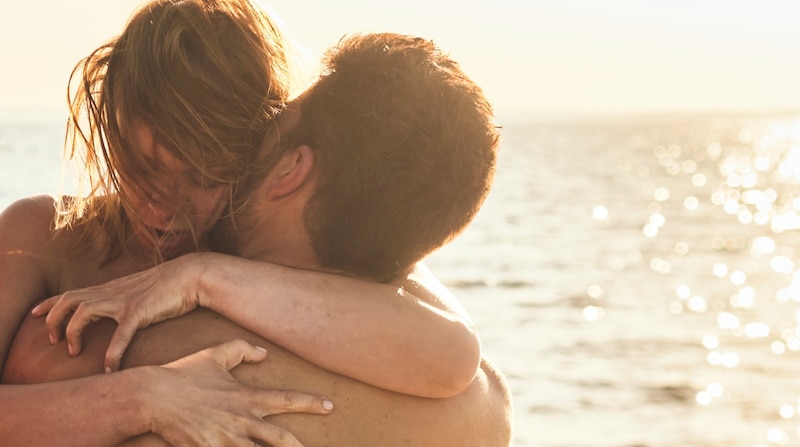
(195, 401)
(135, 301)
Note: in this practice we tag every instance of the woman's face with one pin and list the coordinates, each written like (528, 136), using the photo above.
(180, 223)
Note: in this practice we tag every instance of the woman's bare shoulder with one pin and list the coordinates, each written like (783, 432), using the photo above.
(28, 217)
(27, 225)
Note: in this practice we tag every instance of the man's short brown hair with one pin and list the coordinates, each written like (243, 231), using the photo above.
(405, 149)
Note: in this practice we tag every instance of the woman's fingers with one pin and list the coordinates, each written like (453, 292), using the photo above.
(58, 314)
(119, 343)
(266, 434)
(267, 402)
(231, 354)
(84, 314)
(44, 307)
(273, 402)
(223, 409)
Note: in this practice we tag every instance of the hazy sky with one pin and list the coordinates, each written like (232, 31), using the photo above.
(534, 56)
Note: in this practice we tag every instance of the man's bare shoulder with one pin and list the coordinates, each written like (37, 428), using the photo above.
(364, 415)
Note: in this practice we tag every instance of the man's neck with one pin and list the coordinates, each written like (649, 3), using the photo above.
(290, 247)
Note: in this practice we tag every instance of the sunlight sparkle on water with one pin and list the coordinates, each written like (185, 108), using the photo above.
(738, 277)
(660, 265)
(691, 203)
(790, 293)
(745, 216)
(713, 390)
(699, 180)
(593, 313)
(756, 329)
(600, 213)
(675, 307)
(594, 291)
(747, 178)
(777, 436)
(727, 320)
(650, 230)
(789, 168)
(782, 264)
(703, 398)
(793, 343)
(711, 342)
(762, 245)
(726, 359)
(744, 299)
(658, 220)
(661, 194)
(697, 304)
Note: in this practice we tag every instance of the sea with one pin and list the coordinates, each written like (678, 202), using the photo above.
(636, 279)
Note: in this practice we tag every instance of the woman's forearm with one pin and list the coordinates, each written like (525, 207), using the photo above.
(93, 411)
(377, 333)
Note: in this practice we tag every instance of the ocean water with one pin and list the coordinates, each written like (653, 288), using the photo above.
(635, 279)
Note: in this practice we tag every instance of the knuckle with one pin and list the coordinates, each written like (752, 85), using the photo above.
(124, 335)
(82, 308)
(288, 397)
(280, 435)
(72, 331)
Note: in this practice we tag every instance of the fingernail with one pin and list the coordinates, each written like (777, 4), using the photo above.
(35, 309)
(52, 339)
(261, 349)
(70, 349)
(108, 369)
(328, 405)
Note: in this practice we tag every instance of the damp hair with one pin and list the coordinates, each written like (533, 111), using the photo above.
(206, 77)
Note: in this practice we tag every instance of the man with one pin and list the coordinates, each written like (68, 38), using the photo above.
(392, 157)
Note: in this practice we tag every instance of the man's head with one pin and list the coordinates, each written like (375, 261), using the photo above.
(404, 150)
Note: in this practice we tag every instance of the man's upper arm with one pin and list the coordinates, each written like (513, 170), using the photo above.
(24, 237)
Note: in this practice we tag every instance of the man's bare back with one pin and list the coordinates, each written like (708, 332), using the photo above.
(363, 415)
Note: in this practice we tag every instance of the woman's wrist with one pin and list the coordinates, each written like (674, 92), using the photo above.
(136, 410)
(198, 273)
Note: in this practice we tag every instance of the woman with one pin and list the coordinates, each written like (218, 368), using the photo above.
(96, 234)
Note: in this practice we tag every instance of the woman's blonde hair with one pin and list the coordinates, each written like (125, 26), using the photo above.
(206, 77)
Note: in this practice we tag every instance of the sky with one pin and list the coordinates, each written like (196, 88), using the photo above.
(532, 57)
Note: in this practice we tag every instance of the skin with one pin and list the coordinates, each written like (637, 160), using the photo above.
(433, 350)
(313, 321)
(363, 416)
(479, 415)
(35, 256)
(159, 227)
(107, 409)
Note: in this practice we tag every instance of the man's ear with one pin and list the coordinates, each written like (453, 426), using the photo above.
(291, 172)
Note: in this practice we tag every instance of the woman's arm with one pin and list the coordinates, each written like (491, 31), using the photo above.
(107, 409)
(177, 402)
(405, 337)
(401, 336)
